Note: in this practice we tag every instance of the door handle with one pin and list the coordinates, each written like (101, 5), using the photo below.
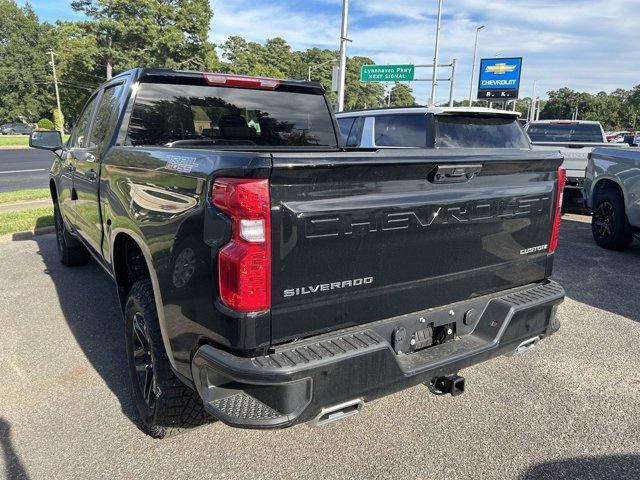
(454, 173)
(91, 175)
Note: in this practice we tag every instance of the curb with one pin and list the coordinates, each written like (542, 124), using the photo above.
(28, 235)
(25, 205)
(14, 147)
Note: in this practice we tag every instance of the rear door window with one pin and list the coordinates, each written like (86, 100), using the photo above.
(565, 132)
(198, 116)
(469, 131)
(107, 106)
(401, 130)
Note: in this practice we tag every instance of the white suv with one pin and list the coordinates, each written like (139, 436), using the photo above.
(432, 127)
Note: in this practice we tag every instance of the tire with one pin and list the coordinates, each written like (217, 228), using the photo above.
(166, 406)
(71, 252)
(609, 222)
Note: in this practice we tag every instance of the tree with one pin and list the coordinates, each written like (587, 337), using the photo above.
(161, 33)
(402, 96)
(357, 94)
(26, 87)
(78, 65)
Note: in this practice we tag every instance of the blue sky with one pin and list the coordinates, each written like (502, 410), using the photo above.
(585, 45)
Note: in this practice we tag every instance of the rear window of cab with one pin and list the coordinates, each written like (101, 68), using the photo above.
(208, 116)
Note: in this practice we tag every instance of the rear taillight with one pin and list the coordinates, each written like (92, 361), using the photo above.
(244, 264)
(225, 80)
(557, 214)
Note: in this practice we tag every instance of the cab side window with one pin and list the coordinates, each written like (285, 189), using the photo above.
(82, 126)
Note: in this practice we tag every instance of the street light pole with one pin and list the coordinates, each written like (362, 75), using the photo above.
(473, 68)
(343, 54)
(434, 78)
(313, 67)
(55, 80)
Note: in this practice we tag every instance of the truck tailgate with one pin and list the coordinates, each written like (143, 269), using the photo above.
(359, 237)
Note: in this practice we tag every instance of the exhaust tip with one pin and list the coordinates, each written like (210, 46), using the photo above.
(338, 412)
(526, 346)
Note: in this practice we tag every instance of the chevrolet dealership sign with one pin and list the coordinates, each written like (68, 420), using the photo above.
(499, 78)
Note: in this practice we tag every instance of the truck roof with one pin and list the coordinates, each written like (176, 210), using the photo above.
(433, 110)
(168, 75)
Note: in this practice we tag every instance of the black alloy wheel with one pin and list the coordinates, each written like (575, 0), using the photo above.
(143, 360)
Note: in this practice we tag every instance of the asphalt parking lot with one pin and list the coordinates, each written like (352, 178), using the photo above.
(569, 409)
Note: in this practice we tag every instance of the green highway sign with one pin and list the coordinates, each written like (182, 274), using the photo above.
(387, 73)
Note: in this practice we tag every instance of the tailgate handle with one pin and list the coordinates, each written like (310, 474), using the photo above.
(455, 173)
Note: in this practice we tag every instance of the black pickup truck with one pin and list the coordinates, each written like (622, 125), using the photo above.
(269, 276)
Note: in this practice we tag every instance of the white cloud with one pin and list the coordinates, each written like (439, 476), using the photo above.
(586, 45)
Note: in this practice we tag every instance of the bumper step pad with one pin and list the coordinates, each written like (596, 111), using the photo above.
(241, 406)
(297, 381)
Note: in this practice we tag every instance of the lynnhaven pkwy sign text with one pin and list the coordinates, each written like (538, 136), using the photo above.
(387, 73)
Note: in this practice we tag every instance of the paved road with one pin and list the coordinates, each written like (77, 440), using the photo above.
(569, 409)
(24, 168)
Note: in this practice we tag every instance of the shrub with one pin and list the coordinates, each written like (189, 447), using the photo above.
(45, 124)
(58, 119)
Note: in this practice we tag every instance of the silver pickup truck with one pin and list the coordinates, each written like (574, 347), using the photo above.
(575, 139)
(612, 192)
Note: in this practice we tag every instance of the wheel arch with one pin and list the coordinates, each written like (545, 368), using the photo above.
(53, 189)
(128, 247)
(603, 184)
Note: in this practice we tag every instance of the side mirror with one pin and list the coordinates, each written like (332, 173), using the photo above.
(46, 140)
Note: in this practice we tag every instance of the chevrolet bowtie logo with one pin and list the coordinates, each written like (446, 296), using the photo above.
(500, 68)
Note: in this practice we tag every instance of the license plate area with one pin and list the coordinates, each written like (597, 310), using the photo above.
(426, 337)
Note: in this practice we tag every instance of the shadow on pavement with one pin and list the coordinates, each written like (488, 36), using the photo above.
(14, 469)
(618, 467)
(601, 278)
(90, 305)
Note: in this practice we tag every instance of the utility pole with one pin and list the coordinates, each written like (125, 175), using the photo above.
(434, 77)
(343, 54)
(55, 83)
(473, 68)
(532, 110)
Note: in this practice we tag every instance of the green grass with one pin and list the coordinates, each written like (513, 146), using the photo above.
(14, 141)
(19, 140)
(25, 220)
(24, 195)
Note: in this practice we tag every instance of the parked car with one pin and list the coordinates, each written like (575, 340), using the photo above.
(632, 139)
(611, 192)
(615, 137)
(16, 129)
(432, 127)
(268, 276)
(575, 139)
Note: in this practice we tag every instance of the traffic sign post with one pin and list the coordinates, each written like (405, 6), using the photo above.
(499, 78)
(405, 73)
